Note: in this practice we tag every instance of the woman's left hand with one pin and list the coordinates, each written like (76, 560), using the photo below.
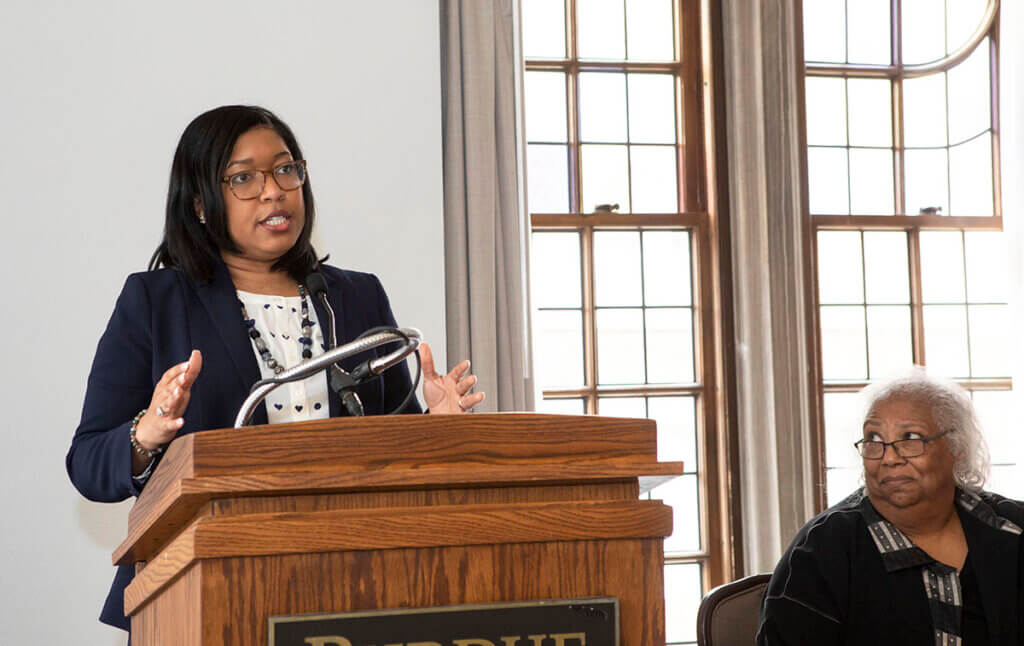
(447, 394)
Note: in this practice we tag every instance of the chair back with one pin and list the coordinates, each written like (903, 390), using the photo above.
(730, 613)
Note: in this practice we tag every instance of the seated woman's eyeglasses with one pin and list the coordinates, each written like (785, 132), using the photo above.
(875, 450)
(248, 184)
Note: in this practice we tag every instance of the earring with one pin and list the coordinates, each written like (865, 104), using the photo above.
(197, 205)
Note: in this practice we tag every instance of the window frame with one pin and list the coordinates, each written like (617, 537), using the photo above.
(700, 180)
(913, 225)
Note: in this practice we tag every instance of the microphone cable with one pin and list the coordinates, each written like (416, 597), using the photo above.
(416, 378)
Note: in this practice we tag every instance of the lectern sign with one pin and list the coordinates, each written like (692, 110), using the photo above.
(559, 622)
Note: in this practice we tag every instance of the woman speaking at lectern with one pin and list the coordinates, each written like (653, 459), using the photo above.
(225, 304)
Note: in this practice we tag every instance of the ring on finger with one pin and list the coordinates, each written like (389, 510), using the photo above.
(461, 407)
(160, 412)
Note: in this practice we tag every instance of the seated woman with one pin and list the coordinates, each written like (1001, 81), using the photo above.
(224, 305)
(920, 554)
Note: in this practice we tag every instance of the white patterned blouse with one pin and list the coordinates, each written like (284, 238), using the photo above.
(279, 322)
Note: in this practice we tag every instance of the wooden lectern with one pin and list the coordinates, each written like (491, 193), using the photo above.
(352, 514)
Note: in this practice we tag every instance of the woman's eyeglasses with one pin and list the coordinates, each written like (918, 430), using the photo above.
(248, 184)
(875, 450)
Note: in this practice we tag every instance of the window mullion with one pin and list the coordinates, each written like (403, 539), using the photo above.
(691, 153)
(572, 98)
(864, 297)
(916, 306)
(967, 303)
(994, 129)
(896, 31)
(575, 176)
(589, 318)
(570, 30)
(899, 159)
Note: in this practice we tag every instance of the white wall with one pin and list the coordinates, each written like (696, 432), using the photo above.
(93, 96)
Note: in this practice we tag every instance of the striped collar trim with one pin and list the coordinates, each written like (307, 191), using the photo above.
(899, 552)
(973, 504)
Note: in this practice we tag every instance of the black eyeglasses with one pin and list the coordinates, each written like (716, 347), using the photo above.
(875, 450)
(248, 184)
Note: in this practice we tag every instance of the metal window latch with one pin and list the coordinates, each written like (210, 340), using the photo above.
(930, 210)
(606, 208)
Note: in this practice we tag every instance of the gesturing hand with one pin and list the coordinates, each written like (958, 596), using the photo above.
(170, 397)
(447, 394)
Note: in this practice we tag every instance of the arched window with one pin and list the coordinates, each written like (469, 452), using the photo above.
(904, 199)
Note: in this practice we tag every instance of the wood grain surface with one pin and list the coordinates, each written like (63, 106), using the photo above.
(383, 500)
(369, 529)
(184, 500)
(397, 440)
(176, 619)
(240, 594)
(342, 454)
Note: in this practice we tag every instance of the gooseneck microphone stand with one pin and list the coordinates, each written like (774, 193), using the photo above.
(409, 338)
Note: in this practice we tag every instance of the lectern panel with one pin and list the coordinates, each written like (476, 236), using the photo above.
(408, 512)
(240, 594)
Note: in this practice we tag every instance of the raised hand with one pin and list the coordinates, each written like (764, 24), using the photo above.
(447, 394)
(164, 415)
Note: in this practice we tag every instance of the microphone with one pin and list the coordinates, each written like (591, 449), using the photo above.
(340, 381)
(318, 289)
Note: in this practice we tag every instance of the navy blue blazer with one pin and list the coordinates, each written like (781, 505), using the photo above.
(160, 317)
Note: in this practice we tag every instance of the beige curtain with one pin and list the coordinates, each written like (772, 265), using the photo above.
(485, 232)
(763, 95)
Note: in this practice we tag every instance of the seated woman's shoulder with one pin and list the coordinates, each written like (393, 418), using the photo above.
(1008, 508)
(811, 578)
(837, 521)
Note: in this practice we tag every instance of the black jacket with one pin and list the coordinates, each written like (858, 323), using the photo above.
(831, 586)
(159, 318)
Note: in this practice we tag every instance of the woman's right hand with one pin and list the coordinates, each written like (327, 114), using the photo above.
(170, 397)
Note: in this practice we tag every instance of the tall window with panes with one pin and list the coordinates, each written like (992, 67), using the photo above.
(616, 186)
(903, 172)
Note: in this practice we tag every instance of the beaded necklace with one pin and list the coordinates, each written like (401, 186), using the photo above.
(305, 341)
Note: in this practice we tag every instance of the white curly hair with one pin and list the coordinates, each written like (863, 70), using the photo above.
(951, 409)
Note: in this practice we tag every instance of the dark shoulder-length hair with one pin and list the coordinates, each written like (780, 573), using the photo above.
(196, 173)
